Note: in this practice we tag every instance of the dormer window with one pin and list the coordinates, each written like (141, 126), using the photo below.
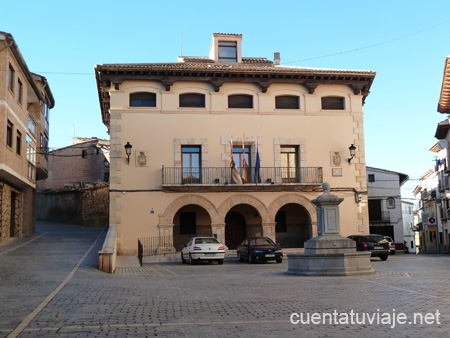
(226, 48)
(228, 51)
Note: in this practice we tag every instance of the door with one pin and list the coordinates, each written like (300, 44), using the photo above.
(191, 164)
(289, 164)
(235, 230)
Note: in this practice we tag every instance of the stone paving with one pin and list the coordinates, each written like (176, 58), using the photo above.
(50, 287)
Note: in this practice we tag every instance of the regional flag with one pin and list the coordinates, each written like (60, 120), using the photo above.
(244, 163)
(235, 176)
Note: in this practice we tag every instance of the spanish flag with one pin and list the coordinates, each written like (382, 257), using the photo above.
(244, 163)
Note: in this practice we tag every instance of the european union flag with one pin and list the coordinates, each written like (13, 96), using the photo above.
(257, 177)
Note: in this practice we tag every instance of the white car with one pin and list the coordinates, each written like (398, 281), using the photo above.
(391, 245)
(203, 249)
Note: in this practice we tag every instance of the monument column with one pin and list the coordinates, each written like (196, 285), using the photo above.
(329, 254)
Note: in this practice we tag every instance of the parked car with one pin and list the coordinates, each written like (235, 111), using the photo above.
(391, 244)
(203, 249)
(255, 249)
(376, 244)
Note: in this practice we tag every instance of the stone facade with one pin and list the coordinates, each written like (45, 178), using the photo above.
(82, 206)
(85, 161)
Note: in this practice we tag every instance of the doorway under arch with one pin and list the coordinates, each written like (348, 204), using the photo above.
(190, 221)
(235, 229)
(293, 226)
(241, 221)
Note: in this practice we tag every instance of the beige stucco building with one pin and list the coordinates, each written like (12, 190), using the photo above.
(183, 120)
(25, 101)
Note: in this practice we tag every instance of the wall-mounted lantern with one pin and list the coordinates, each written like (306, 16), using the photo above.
(128, 147)
(352, 149)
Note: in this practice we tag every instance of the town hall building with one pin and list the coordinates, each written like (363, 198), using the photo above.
(230, 146)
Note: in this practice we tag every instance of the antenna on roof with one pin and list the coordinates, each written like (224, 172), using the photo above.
(181, 46)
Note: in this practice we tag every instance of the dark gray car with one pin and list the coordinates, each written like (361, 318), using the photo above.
(259, 249)
(376, 244)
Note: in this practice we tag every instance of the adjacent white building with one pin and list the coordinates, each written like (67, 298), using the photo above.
(385, 205)
(408, 225)
(428, 206)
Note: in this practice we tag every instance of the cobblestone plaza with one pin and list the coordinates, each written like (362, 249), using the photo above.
(50, 286)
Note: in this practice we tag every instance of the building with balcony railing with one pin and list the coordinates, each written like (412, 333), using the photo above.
(25, 99)
(231, 146)
(385, 209)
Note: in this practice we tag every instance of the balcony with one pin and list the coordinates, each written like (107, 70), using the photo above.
(219, 179)
(379, 216)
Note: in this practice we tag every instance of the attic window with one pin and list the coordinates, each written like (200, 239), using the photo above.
(143, 100)
(287, 102)
(240, 101)
(192, 100)
(228, 51)
(333, 103)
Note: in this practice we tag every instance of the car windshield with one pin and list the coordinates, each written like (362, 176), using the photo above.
(261, 241)
(375, 239)
(207, 240)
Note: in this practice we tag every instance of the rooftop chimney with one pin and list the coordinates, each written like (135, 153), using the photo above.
(276, 58)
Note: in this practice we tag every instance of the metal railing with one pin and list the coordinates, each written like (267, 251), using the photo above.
(222, 175)
(160, 245)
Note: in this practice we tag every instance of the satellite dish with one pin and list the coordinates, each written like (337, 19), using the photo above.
(442, 144)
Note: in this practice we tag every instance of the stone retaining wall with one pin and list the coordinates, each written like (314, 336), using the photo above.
(82, 206)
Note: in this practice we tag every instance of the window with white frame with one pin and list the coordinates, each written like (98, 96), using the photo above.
(31, 150)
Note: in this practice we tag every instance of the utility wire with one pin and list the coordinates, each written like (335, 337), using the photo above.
(371, 46)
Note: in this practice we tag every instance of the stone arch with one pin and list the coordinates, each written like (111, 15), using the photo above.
(242, 199)
(169, 214)
(293, 198)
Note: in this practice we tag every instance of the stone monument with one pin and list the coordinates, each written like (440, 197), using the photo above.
(329, 254)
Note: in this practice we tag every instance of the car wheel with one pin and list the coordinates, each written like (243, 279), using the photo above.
(182, 259)
(239, 257)
(220, 261)
(383, 258)
(280, 260)
(393, 252)
(191, 261)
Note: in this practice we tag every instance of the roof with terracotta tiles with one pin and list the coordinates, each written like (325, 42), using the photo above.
(203, 64)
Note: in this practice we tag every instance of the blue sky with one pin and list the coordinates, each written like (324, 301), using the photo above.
(405, 42)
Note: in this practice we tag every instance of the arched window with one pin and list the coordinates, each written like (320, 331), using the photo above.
(192, 100)
(333, 103)
(287, 102)
(143, 99)
(240, 101)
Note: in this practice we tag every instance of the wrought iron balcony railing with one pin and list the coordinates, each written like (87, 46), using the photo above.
(222, 176)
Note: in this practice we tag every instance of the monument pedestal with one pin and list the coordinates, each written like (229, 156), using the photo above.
(329, 254)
